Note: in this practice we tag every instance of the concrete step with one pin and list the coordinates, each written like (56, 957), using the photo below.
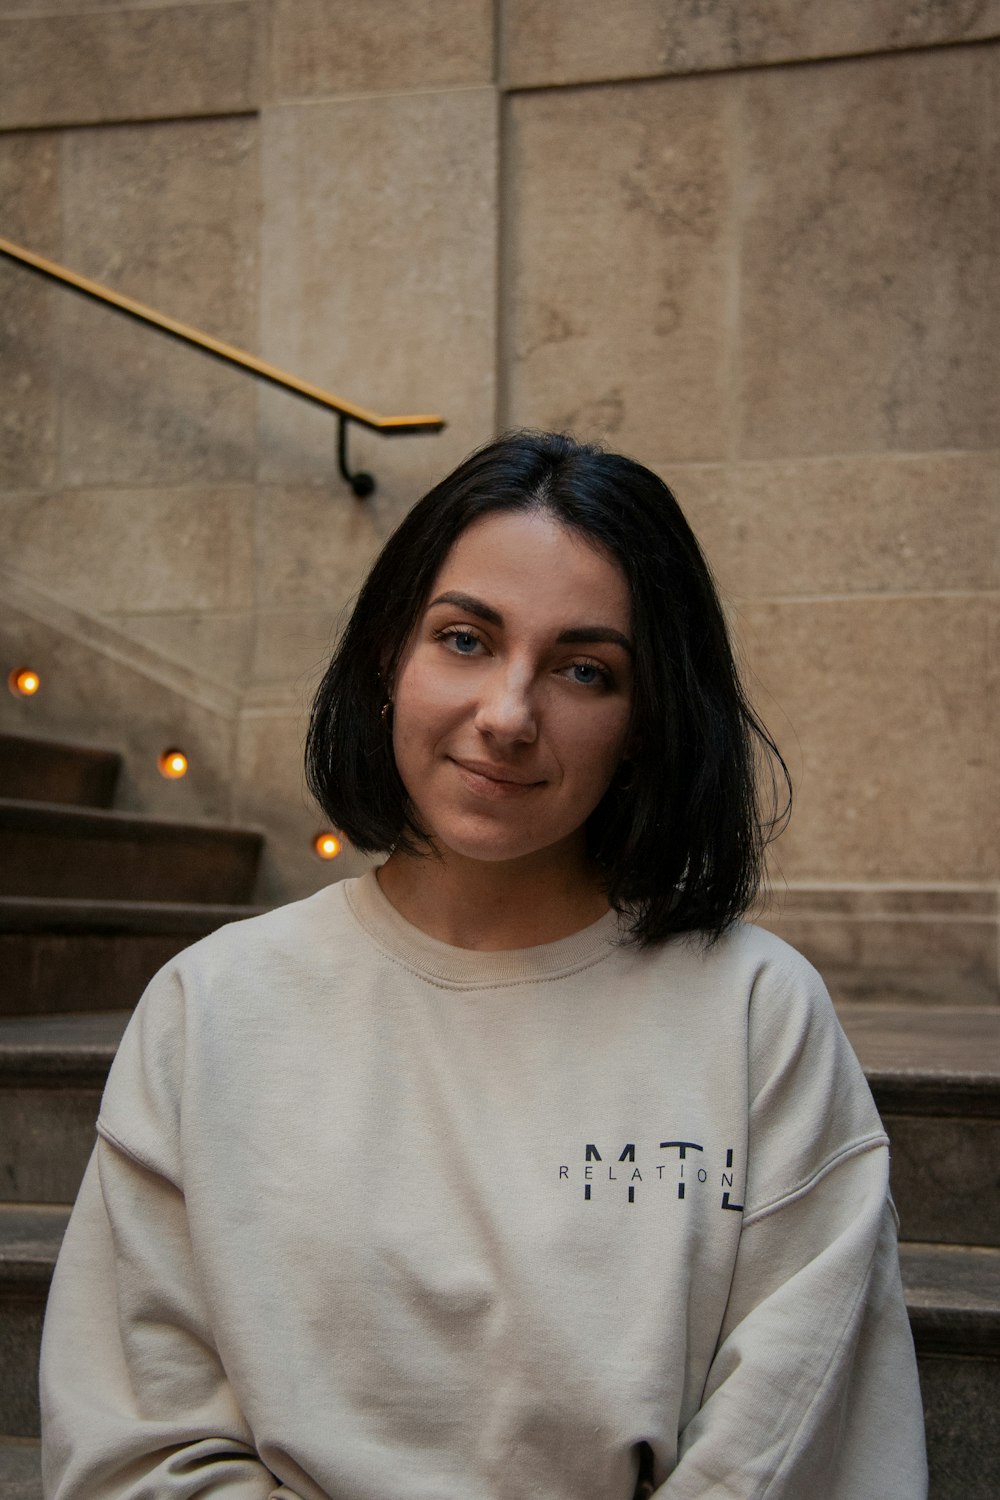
(46, 771)
(20, 1469)
(953, 1295)
(30, 1236)
(52, 1072)
(935, 1074)
(72, 955)
(50, 850)
(945, 1165)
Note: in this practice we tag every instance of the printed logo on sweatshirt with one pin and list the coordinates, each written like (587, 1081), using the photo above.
(684, 1167)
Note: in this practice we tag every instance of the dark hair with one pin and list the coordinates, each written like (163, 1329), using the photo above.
(680, 834)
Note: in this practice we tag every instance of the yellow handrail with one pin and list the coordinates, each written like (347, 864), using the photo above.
(390, 426)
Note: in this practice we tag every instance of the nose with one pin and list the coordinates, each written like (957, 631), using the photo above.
(506, 710)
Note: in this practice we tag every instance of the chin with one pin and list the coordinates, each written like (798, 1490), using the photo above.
(499, 845)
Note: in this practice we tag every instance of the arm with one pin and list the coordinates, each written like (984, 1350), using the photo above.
(813, 1388)
(134, 1398)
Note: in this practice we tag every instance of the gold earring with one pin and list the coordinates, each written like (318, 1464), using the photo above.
(386, 710)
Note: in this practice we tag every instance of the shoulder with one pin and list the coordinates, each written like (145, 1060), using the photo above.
(203, 1015)
(755, 969)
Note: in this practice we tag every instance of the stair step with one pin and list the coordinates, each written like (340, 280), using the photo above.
(935, 1074)
(953, 1295)
(923, 1059)
(52, 1073)
(72, 955)
(51, 850)
(46, 771)
(30, 1236)
(20, 1469)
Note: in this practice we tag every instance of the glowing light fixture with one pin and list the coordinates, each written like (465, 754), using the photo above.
(23, 682)
(327, 845)
(173, 764)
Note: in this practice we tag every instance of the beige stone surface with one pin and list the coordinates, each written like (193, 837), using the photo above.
(322, 47)
(378, 281)
(871, 524)
(136, 63)
(94, 697)
(291, 650)
(29, 215)
(271, 794)
(216, 646)
(887, 711)
(619, 250)
(574, 41)
(869, 277)
(794, 899)
(924, 959)
(314, 546)
(135, 551)
(166, 213)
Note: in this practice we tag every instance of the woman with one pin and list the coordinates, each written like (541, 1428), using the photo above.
(519, 1167)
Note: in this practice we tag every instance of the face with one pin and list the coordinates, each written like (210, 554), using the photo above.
(511, 702)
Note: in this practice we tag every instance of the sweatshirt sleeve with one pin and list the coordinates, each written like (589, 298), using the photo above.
(135, 1400)
(813, 1389)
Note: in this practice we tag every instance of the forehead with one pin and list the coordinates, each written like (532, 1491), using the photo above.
(536, 565)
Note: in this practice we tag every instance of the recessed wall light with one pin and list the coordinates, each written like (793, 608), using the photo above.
(173, 764)
(327, 845)
(23, 682)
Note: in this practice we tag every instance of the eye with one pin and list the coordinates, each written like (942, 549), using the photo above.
(462, 642)
(589, 674)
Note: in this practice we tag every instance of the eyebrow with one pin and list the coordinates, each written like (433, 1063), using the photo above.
(576, 635)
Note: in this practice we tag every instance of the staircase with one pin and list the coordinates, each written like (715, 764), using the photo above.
(93, 901)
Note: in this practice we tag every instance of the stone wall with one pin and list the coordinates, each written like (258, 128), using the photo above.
(751, 242)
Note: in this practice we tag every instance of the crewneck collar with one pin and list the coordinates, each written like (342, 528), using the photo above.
(471, 968)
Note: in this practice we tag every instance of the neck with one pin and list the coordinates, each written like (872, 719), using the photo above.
(492, 905)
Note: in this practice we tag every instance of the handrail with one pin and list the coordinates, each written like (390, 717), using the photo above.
(347, 411)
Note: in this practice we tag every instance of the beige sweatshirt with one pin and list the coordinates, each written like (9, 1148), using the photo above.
(375, 1218)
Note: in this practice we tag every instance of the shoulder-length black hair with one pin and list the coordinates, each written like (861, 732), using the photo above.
(680, 834)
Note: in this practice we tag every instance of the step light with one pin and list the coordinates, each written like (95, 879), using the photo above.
(23, 682)
(173, 764)
(327, 845)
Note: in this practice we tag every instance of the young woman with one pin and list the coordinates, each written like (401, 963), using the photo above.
(518, 1168)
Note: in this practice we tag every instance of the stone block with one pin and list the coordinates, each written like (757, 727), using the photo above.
(379, 273)
(948, 961)
(619, 248)
(20, 1469)
(291, 650)
(323, 47)
(271, 792)
(216, 646)
(873, 524)
(48, 1135)
(887, 709)
(136, 550)
(315, 545)
(166, 213)
(29, 193)
(20, 1340)
(870, 318)
(137, 63)
(576, 41)
(961, 1400)
(945, 1178)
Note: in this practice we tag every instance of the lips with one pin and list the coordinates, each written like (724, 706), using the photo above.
(494, 782)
